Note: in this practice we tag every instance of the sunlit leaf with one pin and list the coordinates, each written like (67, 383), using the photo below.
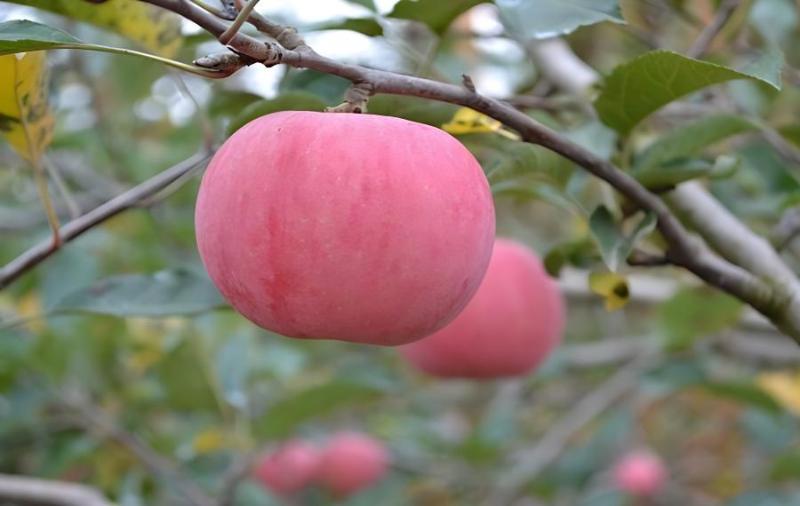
(784, 387)
(641, 86)
(612, 287)
(25, 117)
(151, 27)
(469, 121)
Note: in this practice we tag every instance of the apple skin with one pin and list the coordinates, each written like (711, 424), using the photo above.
(289, 469)
(508, 328)
(640, 473)
(352, 462)
(353, 227)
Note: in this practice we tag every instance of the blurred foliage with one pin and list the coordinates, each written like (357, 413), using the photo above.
(125, 316)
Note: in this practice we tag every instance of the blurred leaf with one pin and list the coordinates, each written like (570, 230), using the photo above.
(784, 387)
(209, 440)
(151, 27)
(328, 87)
(541, 19)
(770, 432)
(692, 138)
(614, 245)
(744, 392)
(165, 293)
(231, 103)
(697, 312)
(412, 108)
(669, 175)
(369, 4)
(643, 85)
(289, 101)
(774, 19)
(183, 380)
(612, 287)
(596, 137)
(282, 417)
(233, 368)
(437, 14)
(25, 117)
(469, 121)
(768, 66)
(368, 26)
(786, 467)
(579, 253)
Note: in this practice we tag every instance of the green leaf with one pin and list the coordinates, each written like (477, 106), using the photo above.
(540, 19)
(183, 381)
(328, 87)
(22, 35)
(151, 27)
(768, 66)
(290, 101)
(744, 392)
(437, 14)
(369, 4)
(165, 293)
(412, 108)
(697, 312)
(670, 175)
(692, 138)
(786, 467)
(367, 26)
(643, 85)
(614, 245)
(283, 416)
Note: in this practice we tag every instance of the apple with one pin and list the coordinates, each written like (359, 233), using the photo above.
(640, 473)
(289, 469)
(508, 328)
(353, 227)
(352, 462)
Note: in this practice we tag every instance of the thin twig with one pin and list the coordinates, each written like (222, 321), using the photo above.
(238, 471)
(710, 32)
(530, 462)
(241, 18)
(69, 201)
(38, 253)
(94, 419)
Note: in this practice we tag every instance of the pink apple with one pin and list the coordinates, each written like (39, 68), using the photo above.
(640, 473)
(508, 328)
(289, 469)
(352, 462)
(353, 227)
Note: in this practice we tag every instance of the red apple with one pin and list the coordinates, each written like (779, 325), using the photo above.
(353, 227)
(508, 328)
(289, 469)
(351, 462)
(640, 473)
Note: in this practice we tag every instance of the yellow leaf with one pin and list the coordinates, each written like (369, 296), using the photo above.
(209, 441)
(23, 103)
(612, 287)
(151, 27)
(469, 121)
(30, 307)
(784, 387)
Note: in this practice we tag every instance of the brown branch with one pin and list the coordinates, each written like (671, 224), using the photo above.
(710, 32)
(131, 198)
(25, 491)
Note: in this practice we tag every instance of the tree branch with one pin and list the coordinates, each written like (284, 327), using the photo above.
(25, 491)
(683, 250)
(38, 253)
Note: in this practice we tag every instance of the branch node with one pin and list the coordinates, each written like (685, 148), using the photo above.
(356, 98)
(225, 63)
(467, 82)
